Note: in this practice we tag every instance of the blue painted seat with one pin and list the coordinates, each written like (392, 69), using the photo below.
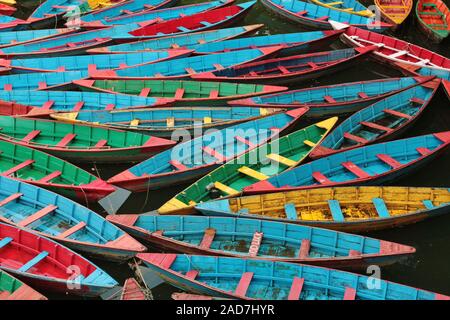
(184, 29)
(428, 204)
(5, 242)
(205, 23)
(336, 211)
(381, 208)
(291, 212)
(27, 266)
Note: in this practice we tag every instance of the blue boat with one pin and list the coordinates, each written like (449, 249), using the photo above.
(14, 38)
(194, 158)
(250, 279)
(292, 43)
(318, 17)
(56, 217)
(224, 236)
(8, 23)
(379, 122)
(44, 80)
(179, 42)
(91, 62)
(47, 265)
(149, 17)
(374, 164)
(163, 122)
(130, 7)
(334, 99)
(350, 6)
(185, 67)
(34, 103)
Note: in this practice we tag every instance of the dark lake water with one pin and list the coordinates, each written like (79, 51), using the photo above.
(429, 267)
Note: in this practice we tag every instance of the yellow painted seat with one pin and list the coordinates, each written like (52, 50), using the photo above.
(309, 143)
(134, 122)
(207, 120)
(225, 189)
(252, 173)
(286, 161)
(170, 122)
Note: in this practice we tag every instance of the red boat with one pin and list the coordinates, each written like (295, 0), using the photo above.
(47, 265)
(289, 69)
(132, 291)
(7, 10)
(197, 22)
(392, 50)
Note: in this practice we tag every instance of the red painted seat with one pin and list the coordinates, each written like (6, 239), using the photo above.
(214, 153)
(350, 294)
(320, 178)
(375, 126)
(417, 100)
(208, 238)
(363, 95)
(255, 244)
(110, 107)
(191, 274)
(48, 105)
(78, 106)
(349, 136)
(31, 135)
(245, 141)
(423, 151)
(213, 94)
(389, 160)
(312, 65)
(18, 167)
(296, 288)
(71, 230)
(10, 198)
(304, 249)
(301, 13)
(167, 261)
(50, 177)
(329, 99)
(283, 70)
(179, 93)
(218, 66)
(244, 283)
(66, 140)
(42, 85)
(145, 92)
(323, 18)
(357, 171)
(101, 143)
(397, 114)
(8, 87)
(37, 215)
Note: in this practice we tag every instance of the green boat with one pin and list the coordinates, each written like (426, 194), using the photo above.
(46, 171)
(79, 142)
(14, 289)
(184, 92)
(259, 164)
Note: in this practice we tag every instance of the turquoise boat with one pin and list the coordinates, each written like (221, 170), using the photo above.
(41, 81)
(14, 38)
(251, 279)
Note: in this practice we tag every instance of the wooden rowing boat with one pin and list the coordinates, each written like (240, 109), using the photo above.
(53, 216)
(349, 209)
(183, 41)
(184, 93)
(133, 291)
(49, 266)
(45, 171)
(335, 99)
(289, 69)
(14, 38)
(411, 70)
(381, 121)
(392, 50)
(91, 63)
(318, 17)
(434, 19)
(394, 11)
(292, 43)
(6, 10)
(13, 289)
(259, 164)
(41, 81)
(374, 164)
(80, 143)
(349, 6)
(11, 24)
(262, 240)
(165, 122)
(184, 67)
(192, 159)
(42, 103)
(196, 22)
(125, 8)
(155, 16)
(251, 279)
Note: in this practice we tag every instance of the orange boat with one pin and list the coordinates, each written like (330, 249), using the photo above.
(434, 19)
(394, 11)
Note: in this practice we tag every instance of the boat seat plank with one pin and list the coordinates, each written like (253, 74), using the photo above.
(101, 143)
(224, 188)
(213, 94)
(183, 29)
(10, 198)
(206, 23)
(8, 87)
(363, 95)
(309, 143)
(145, 92)
(301, 13)
(71, 230)
(397, 113)
(283, 69)
(352, 137)
(208, 238)
(191, 274)
(31, 135)
(417, 100)
(305, 247)
(50, 176)
(207, 120)
(252, 173)
(167, 261)
(179, 93)
(30, 264)
(312, 65)
(357, 171)
(349, 294)
(375, 126)
(423, 151)
(78, 106)
(66, 140)
(245, 141)
(381, 208)
(134, 122)
(320, 177)
(296, 288)
(218, 66)
(37, 215)
(244, 283)
(336, 211)
(389, 160)
(291, 211)
(428, 204)
(18, 167)
(214, 153)
(170, 122)
(323, 18)
(280, 159)
(5, 241)
(110, 107)
(329, 99)
(190, 70)
(255, 244)
(178, 165)
(48, 105)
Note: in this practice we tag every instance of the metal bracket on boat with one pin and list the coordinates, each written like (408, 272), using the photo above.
(115, 200)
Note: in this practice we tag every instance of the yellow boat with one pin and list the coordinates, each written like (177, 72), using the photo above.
(349, 6)
(395, 11)
(350, 209)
